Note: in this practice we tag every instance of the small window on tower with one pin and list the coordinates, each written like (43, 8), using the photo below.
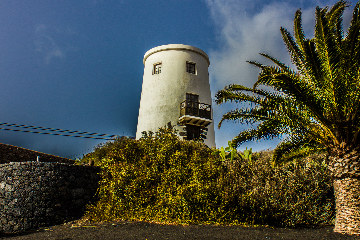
(190, 67)
(157, 68)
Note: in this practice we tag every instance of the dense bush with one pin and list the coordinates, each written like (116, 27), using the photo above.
(162, 178)
(297, 194)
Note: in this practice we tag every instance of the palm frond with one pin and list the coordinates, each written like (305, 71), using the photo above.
(298, 31)
(334, 17)
(266, 130)
(293, 85)
(310, 67)
(295, 53)
(327, 48)
(226, 95)
(352, 64)
(247, 115)
(293, 148)
(318, 103)
(276, 61)
(238, 93)
(352, 38)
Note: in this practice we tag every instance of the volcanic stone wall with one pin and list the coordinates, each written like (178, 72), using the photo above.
(36, 194)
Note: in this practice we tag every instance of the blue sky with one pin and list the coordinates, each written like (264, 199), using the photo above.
(78, 64)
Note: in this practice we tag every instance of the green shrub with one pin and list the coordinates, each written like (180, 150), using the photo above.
(297, 194)
(162, 178)
(156, 178)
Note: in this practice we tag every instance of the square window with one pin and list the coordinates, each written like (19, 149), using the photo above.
(190, 67)
(192, 97)
(157, 68)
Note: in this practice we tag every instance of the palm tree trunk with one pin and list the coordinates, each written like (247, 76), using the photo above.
(347, 199)
(346, 173)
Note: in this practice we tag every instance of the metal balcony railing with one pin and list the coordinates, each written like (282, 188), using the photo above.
(195, 109)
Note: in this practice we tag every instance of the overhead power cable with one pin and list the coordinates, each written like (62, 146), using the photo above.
(57, 132)
(102, 136)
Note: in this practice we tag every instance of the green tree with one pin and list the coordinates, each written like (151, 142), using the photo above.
(317, 105)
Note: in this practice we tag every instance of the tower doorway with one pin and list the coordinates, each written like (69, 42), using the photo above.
(192, 132)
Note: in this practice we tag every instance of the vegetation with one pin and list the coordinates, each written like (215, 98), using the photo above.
(317, 104)
(162, 178)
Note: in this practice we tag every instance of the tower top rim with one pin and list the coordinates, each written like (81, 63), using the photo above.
(176, 47)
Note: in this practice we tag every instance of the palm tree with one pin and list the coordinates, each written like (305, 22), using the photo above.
(317, 105)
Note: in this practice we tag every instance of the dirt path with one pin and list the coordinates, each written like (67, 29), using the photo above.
(152, 231)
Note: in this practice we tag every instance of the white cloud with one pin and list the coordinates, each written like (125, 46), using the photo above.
(46, 45)
(246, 28)
(243, 36)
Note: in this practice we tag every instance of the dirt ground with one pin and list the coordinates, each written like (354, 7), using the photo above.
(152, 231)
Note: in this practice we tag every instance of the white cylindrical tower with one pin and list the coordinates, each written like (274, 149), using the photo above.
(176, 89)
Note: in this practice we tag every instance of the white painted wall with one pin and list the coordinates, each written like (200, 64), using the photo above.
(162, 93)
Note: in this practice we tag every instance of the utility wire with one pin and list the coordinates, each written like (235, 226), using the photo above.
(57, 134)
(54, 130)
